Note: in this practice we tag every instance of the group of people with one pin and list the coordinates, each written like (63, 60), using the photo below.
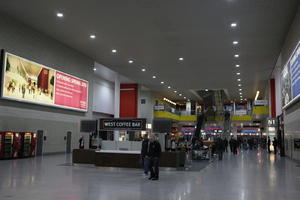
(221, 146)
(150, 154)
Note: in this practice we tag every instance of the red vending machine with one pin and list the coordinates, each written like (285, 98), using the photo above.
(2, 136)
(28, 144)
(7, 145)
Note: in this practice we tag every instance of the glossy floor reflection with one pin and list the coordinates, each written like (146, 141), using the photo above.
(248, 176)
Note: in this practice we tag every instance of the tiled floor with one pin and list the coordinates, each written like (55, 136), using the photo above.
(248, 176)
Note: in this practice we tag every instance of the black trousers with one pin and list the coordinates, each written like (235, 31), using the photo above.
(154, 167)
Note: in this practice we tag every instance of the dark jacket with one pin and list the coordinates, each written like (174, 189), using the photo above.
(154, 150)
(144, 147)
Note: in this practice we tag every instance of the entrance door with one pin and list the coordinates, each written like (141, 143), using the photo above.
(68, 144)
(39, 142)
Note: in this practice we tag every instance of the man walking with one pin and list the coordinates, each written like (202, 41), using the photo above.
(154, 155)
(144, 154)
(269, 144)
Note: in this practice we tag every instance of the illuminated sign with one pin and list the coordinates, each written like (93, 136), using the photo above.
(30, 82)
(123, 124)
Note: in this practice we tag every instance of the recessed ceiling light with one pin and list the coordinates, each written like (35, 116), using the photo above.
(240, 85)
(180, 94)
(94, 69)
(175, 91)
(143, 70)
(130, 61)
(240, 89)
(245, 99)
(184, 97)
(114, 50)
(181, 59)
(206, 90)
(238, 79)
(237, 65)
(153, 76)
(233, 24)
(169, 87)
(92, 36)
(236, 55)
(238, 73)
(241, 97)
(235, 42)
(162, 82)
(241, 93)
(59, 14)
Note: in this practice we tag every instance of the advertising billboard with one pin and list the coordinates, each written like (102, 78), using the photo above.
(27, 81)
(290, 78)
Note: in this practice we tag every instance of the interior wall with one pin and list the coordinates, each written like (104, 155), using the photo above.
(292, 113)
(145, 110)
(128, 100)
(103, 98)
(21, 40)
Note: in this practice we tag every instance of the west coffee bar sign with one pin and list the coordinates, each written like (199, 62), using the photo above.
(123, 124)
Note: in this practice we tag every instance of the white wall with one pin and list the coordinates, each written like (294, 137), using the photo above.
(55, 122)
(292, 113)
(146, 110)
(103, 98)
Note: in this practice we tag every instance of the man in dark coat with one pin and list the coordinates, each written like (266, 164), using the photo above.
(144, 157)
(154, 155)
(269, 144)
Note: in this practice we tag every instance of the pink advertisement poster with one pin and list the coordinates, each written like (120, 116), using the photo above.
(70, 91)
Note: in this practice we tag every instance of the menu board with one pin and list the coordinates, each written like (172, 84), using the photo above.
(27, 81)
(290, 78)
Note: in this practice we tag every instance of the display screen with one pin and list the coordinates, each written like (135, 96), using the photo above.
(27, 81)
(290, 78)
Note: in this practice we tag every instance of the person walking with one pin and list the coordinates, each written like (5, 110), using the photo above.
(231, 144)
(154, 155)
(269, 144)
(226, 145)
(219, 148)
(144, 154)
(275, 144)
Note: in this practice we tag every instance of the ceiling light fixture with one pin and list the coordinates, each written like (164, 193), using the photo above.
(240, 89)
(180, 94)
(184, 97)
(94, 69)
(241, 93)
(240, 85)
(175, 91)
(92, 36)
(153, 76)
(256, 96)
(238, 79)
(169, 87)
(162, 82)
(235, 42)
(130, 61)
(143, 70)
(237, 65)
(114, 51)
(238, 73)
(236, 55)
(181, 59)
(169, 101)
(59, 14)
(233, 24)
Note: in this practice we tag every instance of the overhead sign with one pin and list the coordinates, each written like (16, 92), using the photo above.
(261, 103)
(30, 82)
(290, 79)
(294, 64)
(159, 108)
(123, 124)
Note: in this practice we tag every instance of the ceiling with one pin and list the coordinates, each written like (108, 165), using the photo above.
(154, 34)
